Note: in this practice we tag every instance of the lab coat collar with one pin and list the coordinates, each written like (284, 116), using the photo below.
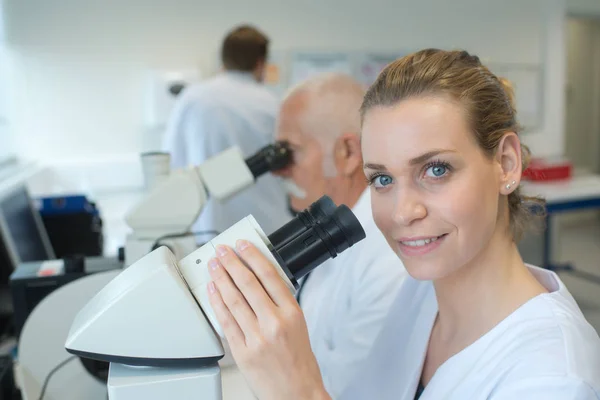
(396, 360)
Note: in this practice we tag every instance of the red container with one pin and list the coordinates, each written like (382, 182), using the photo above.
(548, 170)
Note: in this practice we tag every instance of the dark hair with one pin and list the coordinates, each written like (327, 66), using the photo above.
(243, 48)
(488, 100)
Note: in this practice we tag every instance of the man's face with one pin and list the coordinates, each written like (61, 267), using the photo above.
(306, 169)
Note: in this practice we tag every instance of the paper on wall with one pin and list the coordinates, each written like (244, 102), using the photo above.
(306, 65)
(371, 64)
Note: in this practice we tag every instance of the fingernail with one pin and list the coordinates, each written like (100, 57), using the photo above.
(221, 250)
(213, 263)
(211, 287)
(242, 245)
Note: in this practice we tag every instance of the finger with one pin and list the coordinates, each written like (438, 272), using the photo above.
(266, 273)
(246, 281)
(233, 333)
(233, 298)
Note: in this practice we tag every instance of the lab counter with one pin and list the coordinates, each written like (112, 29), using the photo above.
(582, 192)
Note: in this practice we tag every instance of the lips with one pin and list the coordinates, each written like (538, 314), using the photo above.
(420, 242)
(418, 246)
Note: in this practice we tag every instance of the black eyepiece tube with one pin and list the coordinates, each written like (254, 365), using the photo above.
(270, 158)
(303, 221)
(311, 240)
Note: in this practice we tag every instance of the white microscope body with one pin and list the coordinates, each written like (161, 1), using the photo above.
(174, 199)
(154, 322)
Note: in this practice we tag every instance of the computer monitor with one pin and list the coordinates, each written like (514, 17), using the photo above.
(22, 229)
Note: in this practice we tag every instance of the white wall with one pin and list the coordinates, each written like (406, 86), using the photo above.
(6, 139)
(7, 142)
(80, 63)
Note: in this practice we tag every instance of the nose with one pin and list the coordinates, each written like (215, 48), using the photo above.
(408, 207)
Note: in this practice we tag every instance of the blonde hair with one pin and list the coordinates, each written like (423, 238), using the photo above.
(488, 100)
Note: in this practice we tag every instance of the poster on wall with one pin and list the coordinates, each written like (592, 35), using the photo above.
(369, 65)
(307, 64)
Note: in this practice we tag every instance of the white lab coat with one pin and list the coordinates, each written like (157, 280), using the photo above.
(231, 109)
(544, 350)
(346, 300)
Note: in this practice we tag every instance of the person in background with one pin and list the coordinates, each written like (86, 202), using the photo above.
(233, 108)
(472, 321)
(347, 298)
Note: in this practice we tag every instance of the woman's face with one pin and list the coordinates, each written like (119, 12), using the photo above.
(435, 194)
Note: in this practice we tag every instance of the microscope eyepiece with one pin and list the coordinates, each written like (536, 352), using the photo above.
(270, 158)
(303, 220)
(316, 234)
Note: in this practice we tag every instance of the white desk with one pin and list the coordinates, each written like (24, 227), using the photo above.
(576, 194)
(586, 187)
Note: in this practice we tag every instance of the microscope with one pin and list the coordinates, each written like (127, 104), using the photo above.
(154, 323)
(174, 199)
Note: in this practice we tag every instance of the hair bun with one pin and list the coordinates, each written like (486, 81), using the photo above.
(470, 59)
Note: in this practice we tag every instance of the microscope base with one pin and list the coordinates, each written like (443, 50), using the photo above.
(150, 383)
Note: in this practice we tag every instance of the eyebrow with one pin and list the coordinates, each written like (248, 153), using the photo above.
(376, 167)
(430, 154)
(415, 161)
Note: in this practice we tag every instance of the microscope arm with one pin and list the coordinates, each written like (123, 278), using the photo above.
(172, 206)
(174, 202)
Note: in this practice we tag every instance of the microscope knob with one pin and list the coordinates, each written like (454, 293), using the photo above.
(121, 254)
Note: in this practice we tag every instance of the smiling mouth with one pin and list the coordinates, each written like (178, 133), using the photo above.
(421, 242)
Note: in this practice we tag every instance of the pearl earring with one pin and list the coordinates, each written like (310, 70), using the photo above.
(513, 183)
(507, 187)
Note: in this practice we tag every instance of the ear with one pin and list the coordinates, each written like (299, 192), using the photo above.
(509, 160)
(347, 154)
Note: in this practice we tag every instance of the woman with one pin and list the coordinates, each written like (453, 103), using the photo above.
(444, 162)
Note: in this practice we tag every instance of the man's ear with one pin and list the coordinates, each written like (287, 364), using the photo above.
(509, 159)
(348, 156)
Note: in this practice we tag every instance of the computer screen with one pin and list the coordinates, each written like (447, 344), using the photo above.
(22, 228)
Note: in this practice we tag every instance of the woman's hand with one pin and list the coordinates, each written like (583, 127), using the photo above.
(264, 326)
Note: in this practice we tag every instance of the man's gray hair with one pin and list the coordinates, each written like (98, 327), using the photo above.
(333, 103)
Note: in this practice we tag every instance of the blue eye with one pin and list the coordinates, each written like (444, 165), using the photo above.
(437, 170)
(382, 180)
